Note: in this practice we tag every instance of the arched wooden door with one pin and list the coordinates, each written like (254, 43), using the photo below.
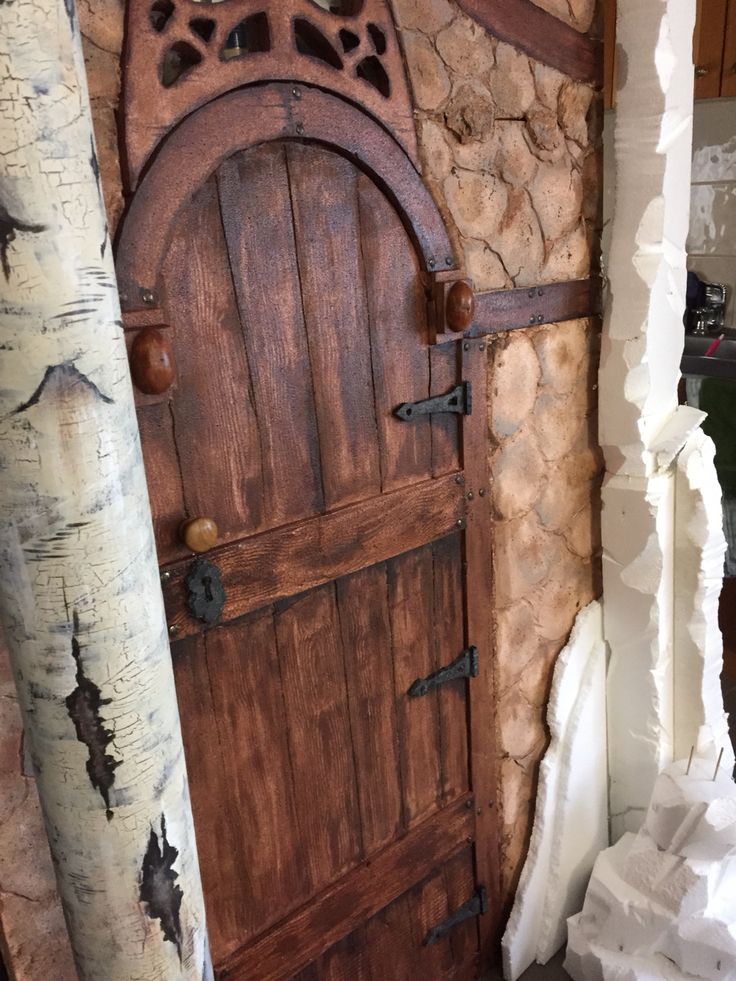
(333, 800)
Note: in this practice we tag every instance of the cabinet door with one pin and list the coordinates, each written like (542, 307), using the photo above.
(710, 27)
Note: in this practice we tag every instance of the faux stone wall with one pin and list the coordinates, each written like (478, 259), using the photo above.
(509, 150)
(511, 153)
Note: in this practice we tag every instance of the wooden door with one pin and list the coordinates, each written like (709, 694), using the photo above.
(335, 813)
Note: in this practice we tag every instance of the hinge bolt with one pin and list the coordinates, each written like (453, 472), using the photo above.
(165, 576)
(466, 346)
(173, 630)
(482, 492)
(431, 262)
(470, 495)
(460, 523)
(148, 297)
(459, 479)
(296, 93)
(470, 804)
(448, 260)
(299, 129)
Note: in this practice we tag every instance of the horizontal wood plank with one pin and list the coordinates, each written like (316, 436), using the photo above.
(352, 900)
(497, 311)
(541, 35)
(276, 564)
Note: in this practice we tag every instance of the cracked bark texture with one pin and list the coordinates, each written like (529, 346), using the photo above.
(79, 595)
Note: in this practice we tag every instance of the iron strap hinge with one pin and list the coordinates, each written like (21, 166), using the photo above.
(465, 666)
(475, 906)
(458, 400)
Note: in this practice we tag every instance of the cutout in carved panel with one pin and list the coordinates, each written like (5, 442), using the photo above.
(203, 27)
(179, 59)
(311, 41)
(348, 40)
(378, 38)
(372, 71)
(252, 34)
(343, 8)
(160, 14)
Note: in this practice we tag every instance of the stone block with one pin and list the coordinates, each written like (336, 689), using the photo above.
(516, 645)
(466, 48)
(569, 257)
(484, 267)
(429, 80)
(525, 553)
(572, 111)
(562, 349)
(477, 202)
(543, 134)
(429, 16)
(511, 82)
(516, 163)
(514, 378)
(519, 239)
(435, 152)
(470, 113)
(557, 196)
(519, 475)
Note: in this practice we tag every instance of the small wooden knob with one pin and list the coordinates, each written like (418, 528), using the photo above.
(199, 534)
(152, 362)
(460, 306)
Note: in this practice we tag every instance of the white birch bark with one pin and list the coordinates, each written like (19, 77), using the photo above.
(80, 599)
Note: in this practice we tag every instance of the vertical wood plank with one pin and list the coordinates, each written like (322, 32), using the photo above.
(271, 876)
(428, 908)
(366, 638)
(410, 587)
(325, 206)
(460, 885)
(397, 310)
(708, 38)
(257, 216)
(479, 626)
(445, 427)
(391, 943)
(216, 429)
(728, 78)
(219, 838)
(609, 53)
(449, 637)
(348, 961)
(163, 477)
(315, 695)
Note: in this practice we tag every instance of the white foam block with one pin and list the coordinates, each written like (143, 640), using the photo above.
(570, 823)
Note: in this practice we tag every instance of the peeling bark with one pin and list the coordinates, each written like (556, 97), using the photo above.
(80, 599)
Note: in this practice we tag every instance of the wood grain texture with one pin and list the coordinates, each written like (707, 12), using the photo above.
(708, 39)
(323, 189)
(318, 723)
(480, 627)
(497, 311)
(355, 898)
(366, 638)
(728, 77)
(541, 35)
(256, 207)
(288, 560)
(265, 114)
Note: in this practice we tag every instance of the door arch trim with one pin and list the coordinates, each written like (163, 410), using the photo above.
(244, 119)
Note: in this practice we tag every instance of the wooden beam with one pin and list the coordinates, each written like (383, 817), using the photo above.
(264, 568)
(355, 898)
(540, 35)
(497, 311)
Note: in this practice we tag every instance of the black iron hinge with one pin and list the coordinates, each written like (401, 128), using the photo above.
(458, 400)
(475, 906)
(464, 666)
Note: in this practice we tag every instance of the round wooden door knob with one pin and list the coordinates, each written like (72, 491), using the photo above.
(460, 306)
(152, 362)
(199, 534)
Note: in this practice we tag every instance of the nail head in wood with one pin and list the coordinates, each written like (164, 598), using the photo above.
(152, 362)
(199, 534)
(460, 307)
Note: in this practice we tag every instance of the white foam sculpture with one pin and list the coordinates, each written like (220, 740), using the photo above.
(661, 905)
(571, 816)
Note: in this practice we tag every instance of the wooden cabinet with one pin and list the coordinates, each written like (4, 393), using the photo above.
(714, 50)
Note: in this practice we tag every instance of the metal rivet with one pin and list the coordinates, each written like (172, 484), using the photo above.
(479, 812)
(481, 347)
(300, 129)
(466, 346)
(165, 576)
(470, 804)
(532, 320)
(469, 839)
(470, 495)
(459, 479)
(540, 292)
(460, 523)
(540, 318)
(531, 294)
(448, 260)
(482, 492)
(296, 93)
(148, 297)
(430, 262)
(123, 297)
(173, 630)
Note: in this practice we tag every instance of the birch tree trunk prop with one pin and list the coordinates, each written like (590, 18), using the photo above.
(80, 599)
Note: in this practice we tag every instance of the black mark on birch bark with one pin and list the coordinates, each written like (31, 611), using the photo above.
(9, 226)
(64, 375)
(159, 892)
(83, 706)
